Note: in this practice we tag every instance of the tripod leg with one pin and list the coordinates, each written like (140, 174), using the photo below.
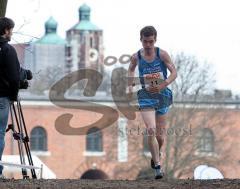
(22, 137)
(22, 160)
(26, 140)
(20, 140)
(30, 159)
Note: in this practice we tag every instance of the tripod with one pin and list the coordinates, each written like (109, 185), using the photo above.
(21, 136)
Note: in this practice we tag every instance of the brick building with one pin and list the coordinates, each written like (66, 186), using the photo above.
(119, 151)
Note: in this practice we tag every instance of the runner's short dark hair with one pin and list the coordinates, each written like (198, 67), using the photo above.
(148, 31)
(5, 24)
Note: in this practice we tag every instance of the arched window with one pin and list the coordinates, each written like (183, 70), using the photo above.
(206, 140)
(94, 140)
(38, 139)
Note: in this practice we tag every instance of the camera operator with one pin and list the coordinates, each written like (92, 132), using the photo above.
(9, 78)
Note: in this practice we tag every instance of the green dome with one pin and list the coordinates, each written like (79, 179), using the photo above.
(84, 12)
(84, 8)
(51, 36)
(51, 23)
(84, 20)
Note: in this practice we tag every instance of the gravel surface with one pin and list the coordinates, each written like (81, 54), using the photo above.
(70, 184)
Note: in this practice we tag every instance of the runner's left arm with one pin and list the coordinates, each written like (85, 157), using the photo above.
(170, 66)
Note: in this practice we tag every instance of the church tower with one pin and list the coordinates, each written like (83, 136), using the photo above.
(85, 43)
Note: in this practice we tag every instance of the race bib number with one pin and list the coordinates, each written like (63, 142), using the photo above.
(153, 79)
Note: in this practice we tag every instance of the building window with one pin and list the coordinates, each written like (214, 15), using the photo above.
(145, 142)
(206, 140)
(94, 140)
(91, 42)
(38, 139)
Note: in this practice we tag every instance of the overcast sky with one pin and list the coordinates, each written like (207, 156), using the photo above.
(208, 29)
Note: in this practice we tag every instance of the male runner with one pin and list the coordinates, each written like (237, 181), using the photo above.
(154, 98)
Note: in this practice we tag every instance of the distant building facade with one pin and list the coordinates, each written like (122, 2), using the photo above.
(120, 150)
(48, 51)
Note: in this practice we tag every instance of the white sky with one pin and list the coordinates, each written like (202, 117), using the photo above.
(209, 29)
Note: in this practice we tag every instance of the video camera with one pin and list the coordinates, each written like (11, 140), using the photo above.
(25, 76)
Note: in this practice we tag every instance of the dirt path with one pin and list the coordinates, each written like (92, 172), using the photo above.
(138, 184)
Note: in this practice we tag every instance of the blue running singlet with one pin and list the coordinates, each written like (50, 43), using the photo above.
(152, 73)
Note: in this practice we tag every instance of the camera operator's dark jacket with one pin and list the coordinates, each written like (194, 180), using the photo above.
(9, 70)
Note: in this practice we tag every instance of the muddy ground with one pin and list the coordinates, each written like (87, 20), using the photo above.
(139, 184)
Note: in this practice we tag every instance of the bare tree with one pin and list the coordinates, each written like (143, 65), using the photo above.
(45, 79)
(194, 78)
